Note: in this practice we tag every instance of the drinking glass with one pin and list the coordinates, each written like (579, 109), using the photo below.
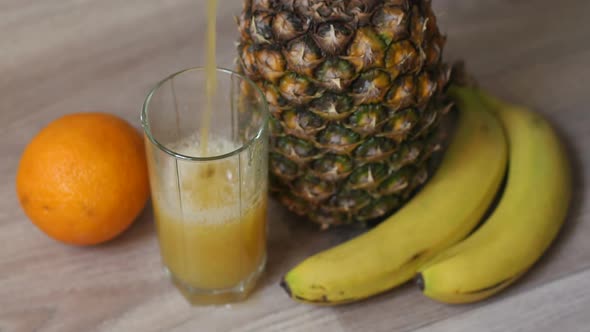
(210, 203)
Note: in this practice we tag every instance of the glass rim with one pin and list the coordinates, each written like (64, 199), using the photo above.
(147, 128)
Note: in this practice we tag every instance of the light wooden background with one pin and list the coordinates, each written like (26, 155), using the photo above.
(62, 56)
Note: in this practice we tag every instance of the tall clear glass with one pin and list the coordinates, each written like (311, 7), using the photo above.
(210, 206)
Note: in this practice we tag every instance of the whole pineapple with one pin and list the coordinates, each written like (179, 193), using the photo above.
(355, 89)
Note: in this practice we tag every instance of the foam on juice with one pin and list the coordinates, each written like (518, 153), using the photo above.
(207, 192)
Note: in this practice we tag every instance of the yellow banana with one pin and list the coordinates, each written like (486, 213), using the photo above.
(525, 222)
(441, 214)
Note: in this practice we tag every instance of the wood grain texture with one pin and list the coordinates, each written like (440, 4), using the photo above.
(64, 56)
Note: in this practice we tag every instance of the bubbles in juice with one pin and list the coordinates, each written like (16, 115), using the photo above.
(211, 218)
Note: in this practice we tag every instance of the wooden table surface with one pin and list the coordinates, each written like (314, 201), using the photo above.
(64, 56)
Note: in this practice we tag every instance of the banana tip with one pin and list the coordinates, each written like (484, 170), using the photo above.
(286, 287)
(420, 281)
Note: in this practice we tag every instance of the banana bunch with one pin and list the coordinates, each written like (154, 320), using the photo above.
(432, 238)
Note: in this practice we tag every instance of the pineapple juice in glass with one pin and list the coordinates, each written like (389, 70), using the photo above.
(210, 201)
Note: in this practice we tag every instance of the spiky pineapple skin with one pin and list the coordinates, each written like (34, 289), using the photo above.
(356, 89)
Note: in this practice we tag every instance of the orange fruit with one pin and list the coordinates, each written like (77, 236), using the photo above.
(83, 179)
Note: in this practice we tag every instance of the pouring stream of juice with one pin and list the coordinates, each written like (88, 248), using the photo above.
(210, 73)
